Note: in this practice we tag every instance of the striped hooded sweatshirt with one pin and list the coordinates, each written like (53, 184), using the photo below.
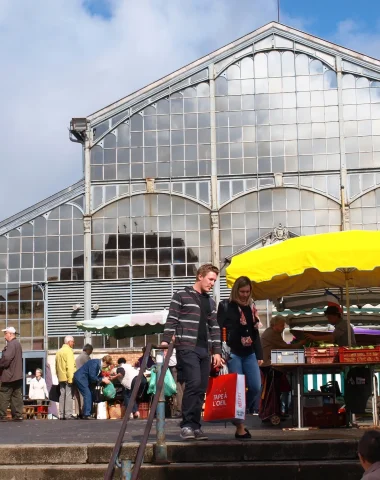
(183, 322)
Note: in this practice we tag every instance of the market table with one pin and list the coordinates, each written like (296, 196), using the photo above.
(301, 369)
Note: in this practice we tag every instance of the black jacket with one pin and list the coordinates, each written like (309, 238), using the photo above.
(230, 319)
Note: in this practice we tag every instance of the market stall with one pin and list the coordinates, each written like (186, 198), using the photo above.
(347, 261)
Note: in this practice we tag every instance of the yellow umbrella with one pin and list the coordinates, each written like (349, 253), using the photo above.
(342, 259)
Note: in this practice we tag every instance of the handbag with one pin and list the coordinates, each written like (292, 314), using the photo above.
(54, 393)
(97, 394)
(225, 398)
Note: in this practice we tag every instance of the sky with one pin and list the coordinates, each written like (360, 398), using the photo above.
(70, 58)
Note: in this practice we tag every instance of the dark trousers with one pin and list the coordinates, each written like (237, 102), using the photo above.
(195, 369)
(11, 394)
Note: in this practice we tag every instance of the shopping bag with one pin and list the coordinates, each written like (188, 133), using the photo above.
(116, 411)
(109, 391)
(102, 411)
(170, 387)
(225, 398)
(97, 394)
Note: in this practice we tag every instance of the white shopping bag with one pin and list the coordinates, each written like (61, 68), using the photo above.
(102, 411)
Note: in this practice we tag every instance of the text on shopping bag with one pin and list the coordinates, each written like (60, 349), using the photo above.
(225, 398)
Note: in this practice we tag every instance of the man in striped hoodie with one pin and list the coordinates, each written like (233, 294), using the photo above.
(192, 321)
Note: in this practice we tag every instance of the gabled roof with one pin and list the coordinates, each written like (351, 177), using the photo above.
(64, 196)
(290, 33)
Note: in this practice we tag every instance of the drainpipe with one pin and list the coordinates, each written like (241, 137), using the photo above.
(214, 217)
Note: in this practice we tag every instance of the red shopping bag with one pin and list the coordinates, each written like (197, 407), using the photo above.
(225, 398)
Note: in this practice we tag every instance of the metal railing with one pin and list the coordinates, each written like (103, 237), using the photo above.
(131, 470)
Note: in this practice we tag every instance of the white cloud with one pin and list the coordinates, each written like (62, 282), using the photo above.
(59, 61)
(355, 35)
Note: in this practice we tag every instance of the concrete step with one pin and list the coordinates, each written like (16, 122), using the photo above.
(231, 451)
(292, 470)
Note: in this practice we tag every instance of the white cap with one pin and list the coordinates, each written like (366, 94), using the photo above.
(9, 330)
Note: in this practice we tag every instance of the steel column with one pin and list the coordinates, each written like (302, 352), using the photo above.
(161, 454)
(87, 230)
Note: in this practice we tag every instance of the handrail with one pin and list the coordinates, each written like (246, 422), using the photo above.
(148, 426)
(116, 450)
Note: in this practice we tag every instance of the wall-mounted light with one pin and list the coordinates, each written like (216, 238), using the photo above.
(77, 307)
(96, 307)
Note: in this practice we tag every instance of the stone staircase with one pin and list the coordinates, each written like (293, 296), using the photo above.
(213, 460)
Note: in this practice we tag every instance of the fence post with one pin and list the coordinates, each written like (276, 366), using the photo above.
(161, 454)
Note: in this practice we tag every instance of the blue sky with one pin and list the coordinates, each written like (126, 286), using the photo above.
(78, 56)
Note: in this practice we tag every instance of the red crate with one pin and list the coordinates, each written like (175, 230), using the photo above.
(364, 355)
(143, 410)
(322, 355)
(323, 417)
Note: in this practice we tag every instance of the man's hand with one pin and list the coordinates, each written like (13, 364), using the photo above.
(216, 360)
(106, 380)
(260, 362)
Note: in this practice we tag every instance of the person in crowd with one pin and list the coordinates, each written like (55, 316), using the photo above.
(192, 320)
(37, 388)
(177, 398)
(369, 454)
(65, 368)
(89, 375)
(81, 359)
(127, 374)
(11, 377)
(239, 317)
(150, 362)
(84, 357)
(272, 339)
(340, 334)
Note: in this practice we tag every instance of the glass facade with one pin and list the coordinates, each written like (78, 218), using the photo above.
(276, 136)
(145, 236)
(48, 248)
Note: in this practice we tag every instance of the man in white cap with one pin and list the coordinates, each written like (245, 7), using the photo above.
(11, 377)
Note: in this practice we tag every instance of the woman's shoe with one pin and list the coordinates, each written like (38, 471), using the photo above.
(246, 435)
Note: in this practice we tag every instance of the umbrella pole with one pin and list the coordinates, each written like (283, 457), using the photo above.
(348, 311)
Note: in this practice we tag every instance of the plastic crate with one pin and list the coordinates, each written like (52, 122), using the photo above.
(364, 355)
(322, 355)
(287, 356)
(324, 417)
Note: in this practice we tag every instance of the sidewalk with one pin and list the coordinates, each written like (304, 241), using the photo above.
(56, 432)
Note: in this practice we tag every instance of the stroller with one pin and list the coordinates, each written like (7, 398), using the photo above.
(270, 405)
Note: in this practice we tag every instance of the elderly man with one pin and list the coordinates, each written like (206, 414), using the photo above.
(272, 339)
(11, 377)
(340, 334)
(65, 369)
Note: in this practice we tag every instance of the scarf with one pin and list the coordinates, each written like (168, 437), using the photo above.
(247, 341)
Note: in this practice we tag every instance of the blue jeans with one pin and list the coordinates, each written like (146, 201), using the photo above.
(83, 386)
(249, 367)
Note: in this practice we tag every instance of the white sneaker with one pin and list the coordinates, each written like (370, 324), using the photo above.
(131, 416)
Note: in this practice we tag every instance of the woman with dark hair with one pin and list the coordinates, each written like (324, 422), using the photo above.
(239, 317)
